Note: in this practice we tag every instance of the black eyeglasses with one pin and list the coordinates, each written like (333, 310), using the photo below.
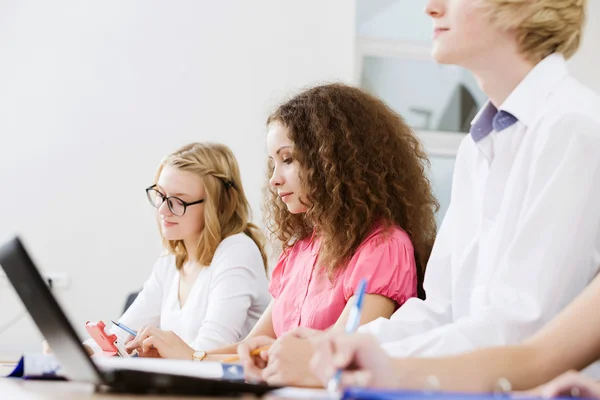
(175, 204)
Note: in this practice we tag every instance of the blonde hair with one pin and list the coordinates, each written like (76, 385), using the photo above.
(542, 27)
(226, 209)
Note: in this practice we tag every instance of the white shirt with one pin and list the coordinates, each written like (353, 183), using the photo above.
(520, 239)
(226, 300)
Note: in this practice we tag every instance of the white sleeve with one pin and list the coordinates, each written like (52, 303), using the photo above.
(146, 309)
(235, 283)
(548, 259)
(416, 315)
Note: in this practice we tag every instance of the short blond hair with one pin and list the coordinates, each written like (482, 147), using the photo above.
(226, 208)
(542, 27)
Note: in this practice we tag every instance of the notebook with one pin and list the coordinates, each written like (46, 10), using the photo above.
(47, 366)
(37, 366)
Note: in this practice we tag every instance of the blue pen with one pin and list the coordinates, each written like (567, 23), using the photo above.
(351, 327)
(126, 329)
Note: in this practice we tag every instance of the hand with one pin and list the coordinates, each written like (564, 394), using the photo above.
(46, 347)
(253, 365)
(307, 333)
(289, 362)
(151, 341)
(363, 361)
(151, 353)
(571, 384)
(126, 341)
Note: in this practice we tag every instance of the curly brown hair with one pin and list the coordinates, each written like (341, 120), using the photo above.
(360, 165)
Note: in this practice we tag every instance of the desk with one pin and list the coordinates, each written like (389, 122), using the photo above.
(17, 389)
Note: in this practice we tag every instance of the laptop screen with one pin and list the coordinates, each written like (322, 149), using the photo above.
(46, 313)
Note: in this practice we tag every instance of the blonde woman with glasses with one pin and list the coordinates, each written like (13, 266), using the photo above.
(210, 287)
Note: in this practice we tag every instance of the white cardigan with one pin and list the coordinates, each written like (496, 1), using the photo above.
(223, 305)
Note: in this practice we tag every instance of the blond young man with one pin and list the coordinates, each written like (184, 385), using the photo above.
(520, 239)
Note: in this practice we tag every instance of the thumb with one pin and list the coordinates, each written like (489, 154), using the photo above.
(343, 351)
(303, 332)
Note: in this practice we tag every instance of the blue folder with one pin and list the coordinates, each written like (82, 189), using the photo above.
(379, 394)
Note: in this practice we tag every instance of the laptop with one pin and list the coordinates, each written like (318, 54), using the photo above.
(78, 366)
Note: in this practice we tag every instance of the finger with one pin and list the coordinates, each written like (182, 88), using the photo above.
(88, 350)
(264, 355)
(322, 371)
(556, 386)
(251, 372)
(359, 378)
(277, 379)
(128, 338)
(260, 341)
(267, 374)
(570, 384)
(274, 349)
(321, 364)
(566, 390)
(153, 331)
(304, 333)
(46, 347)
(343, 350)
(142, 335)
(243, 352)
(152, 342)
(246, 347)
(132, 345)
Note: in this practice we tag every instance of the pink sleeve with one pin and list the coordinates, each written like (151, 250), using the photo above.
(275, 283)
(388, 264)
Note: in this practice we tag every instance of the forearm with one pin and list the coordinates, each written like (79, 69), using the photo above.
(264, 327)
(231, 349)
(479, 371)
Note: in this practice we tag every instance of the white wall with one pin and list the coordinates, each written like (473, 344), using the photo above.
(394, 20)
(93, 94)
(407, 85)
(585, 64)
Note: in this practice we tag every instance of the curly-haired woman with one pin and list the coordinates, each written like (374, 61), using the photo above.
(348, 198)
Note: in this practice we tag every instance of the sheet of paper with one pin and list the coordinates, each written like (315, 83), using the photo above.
(191, 368)
(36, 364)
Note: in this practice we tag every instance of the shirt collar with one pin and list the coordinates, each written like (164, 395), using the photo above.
(490, 119)
(524, 102)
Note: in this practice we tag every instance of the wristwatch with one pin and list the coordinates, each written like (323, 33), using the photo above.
(199, 355)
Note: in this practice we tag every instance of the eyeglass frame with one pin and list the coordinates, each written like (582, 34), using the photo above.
(166, 198)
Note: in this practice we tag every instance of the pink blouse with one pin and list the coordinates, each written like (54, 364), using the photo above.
(304, 296)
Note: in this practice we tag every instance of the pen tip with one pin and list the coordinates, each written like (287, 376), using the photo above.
(116, 323)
